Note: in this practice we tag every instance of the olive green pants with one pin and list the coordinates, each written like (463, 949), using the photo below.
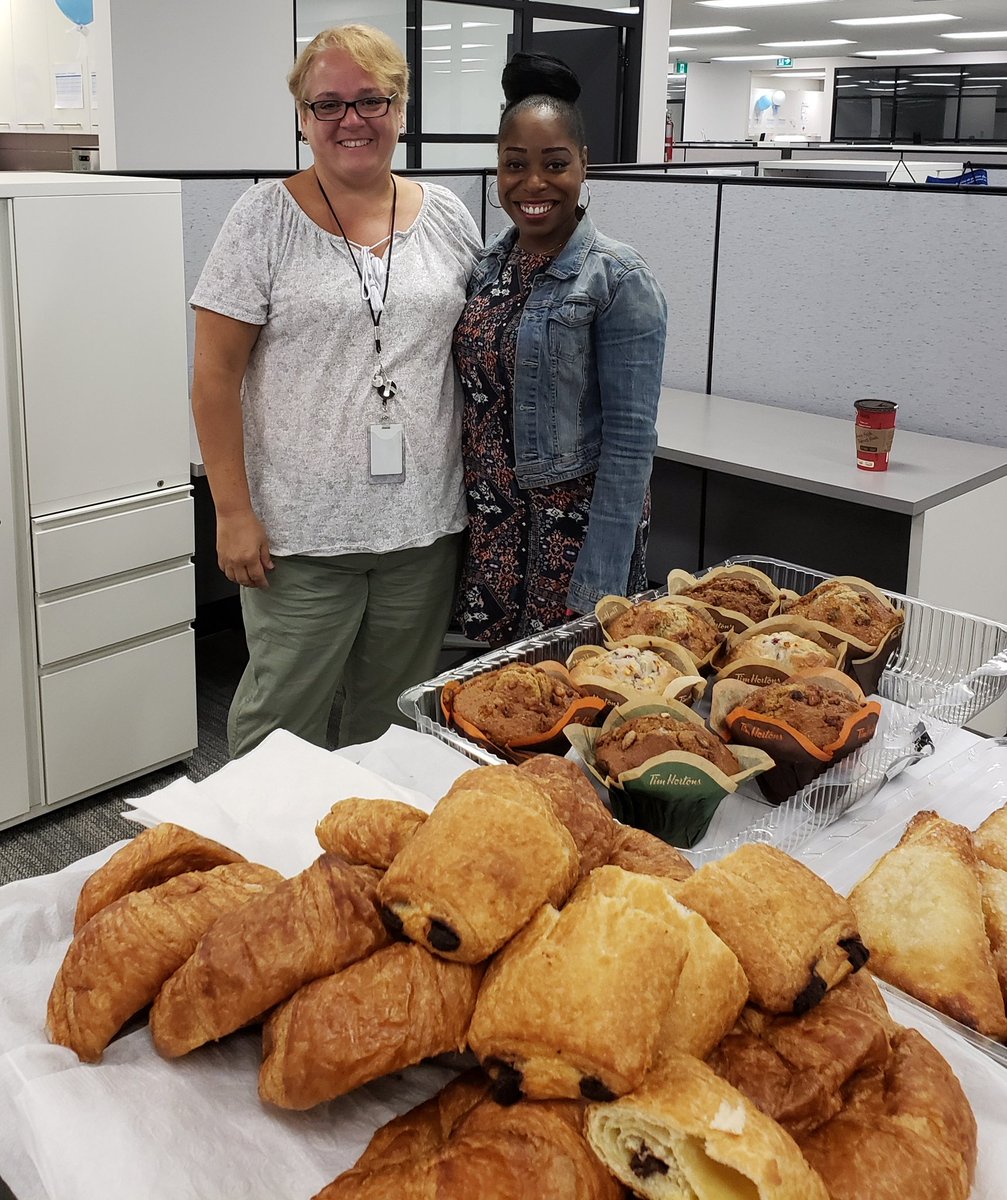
(371, 624)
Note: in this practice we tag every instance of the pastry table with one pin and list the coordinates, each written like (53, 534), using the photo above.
(732, 477)
(136, 1125)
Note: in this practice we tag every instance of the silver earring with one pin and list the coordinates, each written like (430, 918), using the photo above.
(582, 204)
(302, 138)
(489, 197)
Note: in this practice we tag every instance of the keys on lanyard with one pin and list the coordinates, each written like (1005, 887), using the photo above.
(385, 387)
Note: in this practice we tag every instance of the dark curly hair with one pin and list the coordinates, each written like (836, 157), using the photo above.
(541, 81)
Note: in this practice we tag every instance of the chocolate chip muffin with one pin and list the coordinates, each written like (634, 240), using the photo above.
(817, 712)
(515, 703)
(643, 738)
(667, 619)
(734, 593)
(791, 651)
(860, 614)
(632, 667)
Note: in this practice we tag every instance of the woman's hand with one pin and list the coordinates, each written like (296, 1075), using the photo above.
(243, 550)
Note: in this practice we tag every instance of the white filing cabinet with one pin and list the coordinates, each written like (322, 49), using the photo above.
(97, 675)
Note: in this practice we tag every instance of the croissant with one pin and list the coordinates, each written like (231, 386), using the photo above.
(793, 935)
(395, 1008)
(368, 831)
(250, 960)
(116, 964)
(552, 1020)
(639, 851)
(576, 804)
(687, 1134)
(472, 875)
(150, 858)
(458, 1146)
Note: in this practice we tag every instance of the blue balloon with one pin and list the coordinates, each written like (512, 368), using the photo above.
(763, 103)
(81, 12)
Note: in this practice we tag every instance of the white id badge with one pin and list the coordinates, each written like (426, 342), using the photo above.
(386, 453)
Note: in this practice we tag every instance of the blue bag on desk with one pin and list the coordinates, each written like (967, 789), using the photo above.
(972, 177)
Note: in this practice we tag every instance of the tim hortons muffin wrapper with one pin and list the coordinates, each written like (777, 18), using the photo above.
(797, 759)
(609, 607)
(687, 688)
(584, 710)
(674, 795)
(727, 620)
(864, 663)
(750, 668)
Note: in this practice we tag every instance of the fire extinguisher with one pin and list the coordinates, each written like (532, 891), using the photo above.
(669, 137)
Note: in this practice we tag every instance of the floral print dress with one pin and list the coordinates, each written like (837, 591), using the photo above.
(523, 543)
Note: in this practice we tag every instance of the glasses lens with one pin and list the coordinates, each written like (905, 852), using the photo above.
(373, 106)
(328, 110)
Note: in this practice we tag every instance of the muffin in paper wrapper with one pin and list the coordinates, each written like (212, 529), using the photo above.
(610, 607)
(582, 709)
(798, 759)
(673, 795)
(740, 657)
(865, 662)
(728, 619)
(686, 686)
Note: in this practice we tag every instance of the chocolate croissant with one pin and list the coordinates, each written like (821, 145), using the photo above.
(150, 858)
(552, 1019)
(793, 935)
(116, 964)
(392, 1009)
(489, 855)
(577, 805)
(368, 831)
(639, 851)
(250, 960)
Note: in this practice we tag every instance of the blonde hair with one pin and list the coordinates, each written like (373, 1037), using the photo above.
(373, 51)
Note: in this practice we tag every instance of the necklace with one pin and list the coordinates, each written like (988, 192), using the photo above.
(551, 250)
(385, 387)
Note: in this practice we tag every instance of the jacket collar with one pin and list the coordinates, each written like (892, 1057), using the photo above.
(570, 259)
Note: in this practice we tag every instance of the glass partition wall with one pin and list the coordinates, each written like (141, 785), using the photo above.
(925, 104)
(456, 50)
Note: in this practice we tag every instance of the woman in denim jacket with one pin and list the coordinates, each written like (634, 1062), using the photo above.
(560, 350)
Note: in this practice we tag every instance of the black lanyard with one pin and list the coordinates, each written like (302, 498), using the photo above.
(385, 387)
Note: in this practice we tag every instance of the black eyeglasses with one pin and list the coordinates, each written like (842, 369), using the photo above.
(366, 107)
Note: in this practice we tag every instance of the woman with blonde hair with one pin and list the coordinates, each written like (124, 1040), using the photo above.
(328, 410)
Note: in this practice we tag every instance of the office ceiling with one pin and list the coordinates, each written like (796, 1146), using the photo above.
(813, 21)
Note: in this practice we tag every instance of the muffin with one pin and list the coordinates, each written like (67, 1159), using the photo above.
(632, 667)
(734, 593)
(642, 738)
(515, 703)
(816, 712)
(857, 613)
(781, 646)
(664, 618)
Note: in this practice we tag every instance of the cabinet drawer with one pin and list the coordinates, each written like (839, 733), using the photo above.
(118, 715)
(115, 613)
(107, 539)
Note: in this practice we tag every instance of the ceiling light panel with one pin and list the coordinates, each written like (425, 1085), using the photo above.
(799, 45)
(757, 3)
(990, 33)
(922, 19)
(703, 30)
(893, 53)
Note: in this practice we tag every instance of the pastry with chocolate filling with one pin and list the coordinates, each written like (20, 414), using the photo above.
(687, 1134)
(818, 713)
(642, 738)
(793, 935)
(792, 652)
(639, 851)
(368, 831)
(735, 593)
(515, 703)
(577, 805)
(857, 613)
(690, 627)
(920, 909)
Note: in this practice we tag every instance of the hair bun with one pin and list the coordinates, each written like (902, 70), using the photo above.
(538, 75)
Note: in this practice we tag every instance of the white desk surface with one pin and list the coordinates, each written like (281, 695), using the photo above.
(78, 183)
(813, 453)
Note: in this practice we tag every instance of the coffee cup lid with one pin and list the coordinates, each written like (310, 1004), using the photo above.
(875, 406)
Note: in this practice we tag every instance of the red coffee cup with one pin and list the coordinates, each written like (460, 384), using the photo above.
(875, 430)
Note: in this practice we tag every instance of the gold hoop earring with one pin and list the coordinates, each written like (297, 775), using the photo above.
(584, 205)
(489, 198)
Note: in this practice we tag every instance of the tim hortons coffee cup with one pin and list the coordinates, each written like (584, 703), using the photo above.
(875, 430)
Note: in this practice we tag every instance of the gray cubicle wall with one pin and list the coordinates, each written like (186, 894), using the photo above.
(826, 294)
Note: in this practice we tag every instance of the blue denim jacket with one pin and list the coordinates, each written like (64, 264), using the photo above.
(590, 350)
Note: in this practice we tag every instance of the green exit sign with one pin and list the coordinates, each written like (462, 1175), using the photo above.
(784, 62)
(681, 68)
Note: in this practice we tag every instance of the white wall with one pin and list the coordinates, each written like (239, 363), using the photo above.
(716, 102)
(175, 70)
(653, 81)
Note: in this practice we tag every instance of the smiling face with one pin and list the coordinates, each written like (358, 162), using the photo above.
(353, 149)
(540, 169)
